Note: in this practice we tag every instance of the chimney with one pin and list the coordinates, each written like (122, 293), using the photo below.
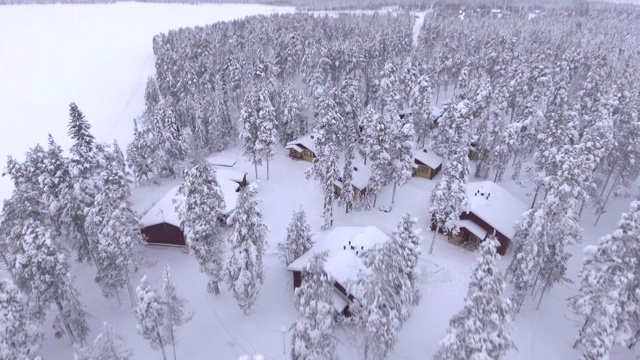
(344, 247)
(488, 194)
(355, 168)
(356, 252)
(425, 150)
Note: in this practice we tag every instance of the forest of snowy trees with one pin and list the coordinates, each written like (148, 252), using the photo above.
(550, 98)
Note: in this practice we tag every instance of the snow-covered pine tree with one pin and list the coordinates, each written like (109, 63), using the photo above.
(449, 198)
(479, 330)
(366, 130)
(20, 334)
(42, 272)
(401, 152)
(84, 166)
(382, 296)
(55, 184)
(421, 105)
(330, 163)
(298, 239)
(139, 153)
(378, 143)
(313, 336)
(266, 140)
(170, 147)
(244, 271)
(174, 311)
(200, 215)
(347, 194)
(407, 239)
(249, 119)
(294, 120)
(108, 345)
(114, 230)
(608, 298)
(150, 314)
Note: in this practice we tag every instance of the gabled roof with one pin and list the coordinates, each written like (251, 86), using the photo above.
(360, 176)
(305, 141)
(344, 246)
(164, 211)
(495, 205)
(427, 157)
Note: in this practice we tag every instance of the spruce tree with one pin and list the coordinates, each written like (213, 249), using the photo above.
(313, 336)
(151, 317)
(175, 314)
(266, 140)
(20, 334)
(84, 167)
(249, 119)
(479, 330)
(108, 345)
(200, 215)
(298, 239)
(608, 299)
(401, 152)
(407, 240)
(114, 230)
(42, 272)
(245, 269)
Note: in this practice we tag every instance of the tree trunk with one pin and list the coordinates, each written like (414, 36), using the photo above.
(437, 94)
(118, 297)
(132, 298)
(584, 326)
(393, 193)
(604, 204)
(66, 325)
(433, 241)
(9, 269)
(635, 340)
(173, 343)
(604, 187)
(581, 208)
(255, 166)
(535, 196)
(215, 288)
(267, 168)
(544, 289)
(164, 356)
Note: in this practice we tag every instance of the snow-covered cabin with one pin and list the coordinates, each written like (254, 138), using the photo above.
(302, 148)
(344, 247)
(426, 163)
(492, 209)
(161, 224)
(359, 181)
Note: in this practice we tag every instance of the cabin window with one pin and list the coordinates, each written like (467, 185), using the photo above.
(423, 169)
(307, 153)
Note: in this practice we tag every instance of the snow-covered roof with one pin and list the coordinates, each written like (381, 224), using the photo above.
(473, 228)
(221, 160)
(164, 211)
(294, 147)
(428, 157)
(360, 178)
(306, 141)
(344, 246)
(231, 174)
(495, 205)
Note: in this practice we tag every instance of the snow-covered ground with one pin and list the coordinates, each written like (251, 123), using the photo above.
(96, 55)
(100, 56)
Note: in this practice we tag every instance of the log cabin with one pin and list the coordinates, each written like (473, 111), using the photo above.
(344, 247)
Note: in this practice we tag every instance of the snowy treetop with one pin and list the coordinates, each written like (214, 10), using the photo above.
(164, 211)
(345, 246)
(495, 205)
(427, 157)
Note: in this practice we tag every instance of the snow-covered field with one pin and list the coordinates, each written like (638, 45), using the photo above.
(96, 55)
(100, 56)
